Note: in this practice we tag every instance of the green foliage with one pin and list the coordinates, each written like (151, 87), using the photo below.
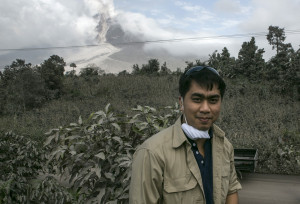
(52, 71)
(223, 63)
(123, 73)
(250, 60)
(276, 37)
(135, 69)
(152, 67)
(94, 156)
(73, 65)
(164, 70)
(20, 162)
(21, 87)
(90, 71)
(192, 64)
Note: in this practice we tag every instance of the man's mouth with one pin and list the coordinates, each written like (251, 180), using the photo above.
(204, 119)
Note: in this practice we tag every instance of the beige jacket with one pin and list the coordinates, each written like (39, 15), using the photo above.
(164, 169)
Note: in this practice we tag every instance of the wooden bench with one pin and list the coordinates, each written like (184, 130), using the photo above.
(245, 160)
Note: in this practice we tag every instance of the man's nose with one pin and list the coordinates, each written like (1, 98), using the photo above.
(204, 108)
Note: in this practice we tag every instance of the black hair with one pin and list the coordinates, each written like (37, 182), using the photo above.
(205, 78)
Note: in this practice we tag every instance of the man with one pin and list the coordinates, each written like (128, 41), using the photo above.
(191, 161)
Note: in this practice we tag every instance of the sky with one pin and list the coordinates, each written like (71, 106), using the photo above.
(212, 24)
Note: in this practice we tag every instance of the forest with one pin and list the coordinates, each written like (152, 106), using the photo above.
(68, 137)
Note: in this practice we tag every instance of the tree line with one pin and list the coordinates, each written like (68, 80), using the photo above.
(283, 68)
(24, 86)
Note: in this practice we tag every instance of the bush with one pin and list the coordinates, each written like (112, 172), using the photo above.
(20, 162)
(94, 157)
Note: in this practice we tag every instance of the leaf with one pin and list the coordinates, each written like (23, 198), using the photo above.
(73, 124)
(138, 108)
(107, 108)
(51, 131)
(118, 139)
(91, 116)
(280, 152)
(80, 120)
(49, 140)
(101, 194)
(100, 121)
(100, 155)
(133, 120)
(110, 176)
(73, 137)
(125, 164)
(97, 170)
(150, 108)
(116, 126)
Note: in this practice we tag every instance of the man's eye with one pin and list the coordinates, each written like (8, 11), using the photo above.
(214, 100)
(196, 99)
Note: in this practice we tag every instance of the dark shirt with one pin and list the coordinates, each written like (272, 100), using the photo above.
(205, 166)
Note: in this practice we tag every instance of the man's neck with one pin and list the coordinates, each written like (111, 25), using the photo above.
(200, 145)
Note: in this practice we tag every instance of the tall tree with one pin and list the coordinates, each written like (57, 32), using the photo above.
(276, 37)
(250, 60)
(223, 62)
(52, 71)
(279, 65)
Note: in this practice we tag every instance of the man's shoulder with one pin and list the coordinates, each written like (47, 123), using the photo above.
(159, 140)
(220, 133)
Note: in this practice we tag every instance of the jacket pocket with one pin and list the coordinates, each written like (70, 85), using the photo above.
(182, 190)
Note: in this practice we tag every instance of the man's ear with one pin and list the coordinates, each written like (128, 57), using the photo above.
(181, 103)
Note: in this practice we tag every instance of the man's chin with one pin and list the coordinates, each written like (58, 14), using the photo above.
(204, 128)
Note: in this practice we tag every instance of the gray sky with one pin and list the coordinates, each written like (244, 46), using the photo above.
(52, 23)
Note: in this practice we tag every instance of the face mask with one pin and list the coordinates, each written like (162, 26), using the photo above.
(192, 132)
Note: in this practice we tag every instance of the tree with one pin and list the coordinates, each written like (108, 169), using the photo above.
(222, 62)
(192, 64)
(151, 68)
(279, 65)
(73, 65)
(52, 71)
(21, 87)
(72, 72)
(276, 37)
(135, 69)
(164, 70)
(91, 70)
(214, 59)
(250, 60)
(123, 73)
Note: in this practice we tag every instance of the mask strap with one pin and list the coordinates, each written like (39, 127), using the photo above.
(185, 119)
(183, 109)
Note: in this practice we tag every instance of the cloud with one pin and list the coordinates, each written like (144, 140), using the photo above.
(272, 12)
(37, 23)
(228, 6)
(195, 11)
(142, 27)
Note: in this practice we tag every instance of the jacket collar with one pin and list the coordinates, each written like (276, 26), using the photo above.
(179, 137)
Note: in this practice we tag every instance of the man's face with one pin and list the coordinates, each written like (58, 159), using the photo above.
(201, 107)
